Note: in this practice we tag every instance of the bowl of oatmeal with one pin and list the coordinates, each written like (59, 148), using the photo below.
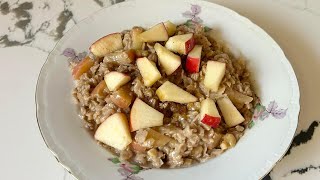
(199, 90)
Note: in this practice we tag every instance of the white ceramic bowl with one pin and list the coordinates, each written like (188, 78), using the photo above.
(255, 154)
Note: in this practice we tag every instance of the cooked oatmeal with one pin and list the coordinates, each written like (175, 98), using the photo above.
(168, 112)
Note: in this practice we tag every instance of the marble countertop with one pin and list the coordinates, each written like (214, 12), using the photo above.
(29, 29)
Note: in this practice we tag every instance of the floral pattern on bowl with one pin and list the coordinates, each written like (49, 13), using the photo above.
(261, 112)
(127, 170)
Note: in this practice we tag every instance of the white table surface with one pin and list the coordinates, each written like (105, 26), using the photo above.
(29, 29)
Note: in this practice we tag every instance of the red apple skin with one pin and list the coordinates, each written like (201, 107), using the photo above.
(193, 64)
(99, 89)
(211, 121)
(102, 39)
(189, 45)
(83, 67)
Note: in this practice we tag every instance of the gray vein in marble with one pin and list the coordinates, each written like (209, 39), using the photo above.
(303, 136)
(67, 4)
(4, 8)
(304, 170)
(8, 43)
(24, 24)
(63, 19)
(23, 19)
(116, 1)
(100, 3)
(301, 171)
(45, 6)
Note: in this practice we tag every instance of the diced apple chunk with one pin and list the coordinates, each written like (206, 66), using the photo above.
(209, 113)
(154, 34)
(115, 80)
(171, 28)
(194, 59)
(99, 89)
(83, 67)
(237, 98)
(123, 57)
(148, 71)
(137, 147)
(136, 40)
(230, 113)
(171, 92)
(181, 44)
(168, 60)
(214, 74)
(122, 97)
(160, 139)
(107, 44)
(114, 131)
(143, 116)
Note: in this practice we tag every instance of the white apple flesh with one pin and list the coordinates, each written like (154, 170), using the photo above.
(194, 59)
(230, 113)
(114, 131)
(171, 92)
(148, 71)
(181, 44)
(214, 74)
(155, 33)
(168, 60)
(107, 44)
(143, 116)
(209, 107)
(209, 113)
(160, 139)
(171, 28)
(115, 80)
(136, 40)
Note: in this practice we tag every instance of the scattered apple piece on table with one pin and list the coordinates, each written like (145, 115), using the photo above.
(83, 67)
(155, 33)
(194, 59)
(122, 97)
(143, 116)
(107, 44)
(214, 74)
(99, 89)
(114, 131)
(168, 60)
(136, 40)
(171, 92)
(181, 44)
(230, 113)
(115, 80)
(160, 139)
(148, 71)
(171, 28)
(209, 113)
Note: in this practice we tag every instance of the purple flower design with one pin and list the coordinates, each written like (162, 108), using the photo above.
(193, 13)
(127, 170)
(258, 111)
(261, 112)
(73, 56)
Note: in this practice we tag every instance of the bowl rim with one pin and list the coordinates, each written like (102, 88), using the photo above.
(243, 18)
